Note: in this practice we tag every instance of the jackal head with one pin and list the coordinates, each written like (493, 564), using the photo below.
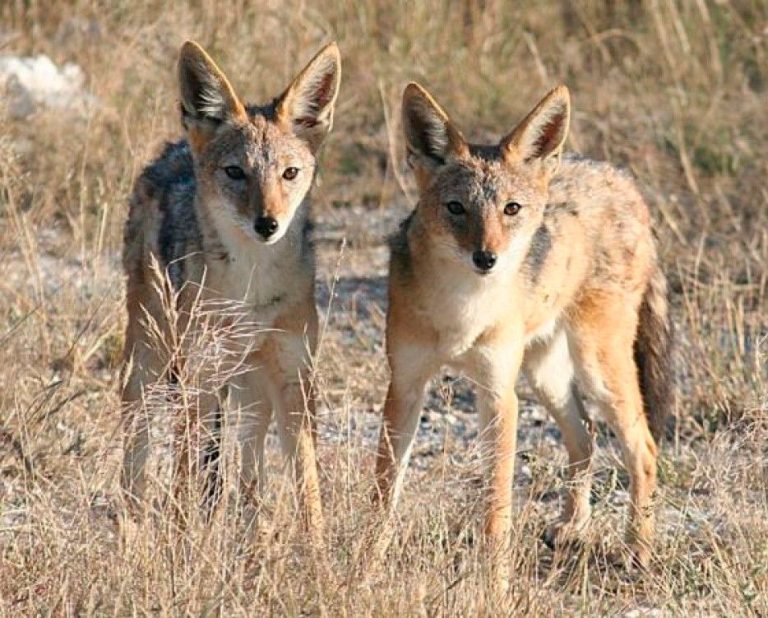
(255, 165)
(481, 205)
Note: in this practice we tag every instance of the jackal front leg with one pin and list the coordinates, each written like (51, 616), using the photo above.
(288, 364)
(494, 368)
(253, 396)
(411, 368)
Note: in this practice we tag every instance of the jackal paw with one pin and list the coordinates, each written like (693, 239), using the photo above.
(564, 534)
(631, 560)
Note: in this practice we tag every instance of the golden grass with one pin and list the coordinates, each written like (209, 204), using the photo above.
(675, 91)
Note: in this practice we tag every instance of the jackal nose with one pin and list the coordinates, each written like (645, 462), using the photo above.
(484, 260)
(265, 226)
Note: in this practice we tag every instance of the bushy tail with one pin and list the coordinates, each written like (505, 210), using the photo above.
(654, 355)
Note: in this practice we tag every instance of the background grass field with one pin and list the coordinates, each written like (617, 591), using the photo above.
(677, 92)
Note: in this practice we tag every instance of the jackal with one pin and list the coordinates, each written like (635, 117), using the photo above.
(225, 213)
(519, 258)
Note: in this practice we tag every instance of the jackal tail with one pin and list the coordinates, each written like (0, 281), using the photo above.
(654, 355)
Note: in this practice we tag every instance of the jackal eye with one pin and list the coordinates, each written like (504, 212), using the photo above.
(234, 172)
(456, 208)
(290, 173)
(512, 209)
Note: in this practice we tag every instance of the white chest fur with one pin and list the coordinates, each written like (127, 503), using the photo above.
(255, 276)
(261, 277)
(461, 306)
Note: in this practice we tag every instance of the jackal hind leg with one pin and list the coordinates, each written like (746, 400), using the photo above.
(211, 457)
(198, 428)
(603, 346)
(549, 370)
(143, 367)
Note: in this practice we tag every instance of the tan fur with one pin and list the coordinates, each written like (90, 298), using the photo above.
(199, 223)
(561, 302)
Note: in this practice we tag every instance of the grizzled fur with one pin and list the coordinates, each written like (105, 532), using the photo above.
(578, 197)
(225, 214)
(170, 183)
(518, 258)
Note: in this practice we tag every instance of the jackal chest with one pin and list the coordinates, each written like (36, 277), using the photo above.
(261, 280)
(460, 313)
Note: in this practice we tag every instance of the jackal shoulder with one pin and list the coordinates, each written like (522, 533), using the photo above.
(597, 209)
(162, 219)
(592, 204)
(590, 186)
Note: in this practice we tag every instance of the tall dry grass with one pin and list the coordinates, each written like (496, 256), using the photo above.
(675, 91)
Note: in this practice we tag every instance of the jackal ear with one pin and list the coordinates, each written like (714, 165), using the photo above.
(207, 98)
(307, 104)
(430, 135)
(541, 135)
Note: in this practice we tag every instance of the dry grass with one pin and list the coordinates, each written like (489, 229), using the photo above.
(676, 91)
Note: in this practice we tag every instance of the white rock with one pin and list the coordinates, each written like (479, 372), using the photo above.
(35, 82)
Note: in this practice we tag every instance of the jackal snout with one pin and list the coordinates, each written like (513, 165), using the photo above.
(266, 226)
(490, 242)
(484, 260)
(271, 209)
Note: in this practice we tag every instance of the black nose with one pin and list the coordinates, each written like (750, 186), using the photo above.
(265, 226)
(484, 260)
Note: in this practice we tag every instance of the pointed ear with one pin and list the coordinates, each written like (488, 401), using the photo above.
(541, 135)
(207, 98)
(306, 107)
(430, 136)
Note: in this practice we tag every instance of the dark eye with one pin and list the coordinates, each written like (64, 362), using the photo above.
(234, 172)
(290, 173)
(512, 209)
(455, 208)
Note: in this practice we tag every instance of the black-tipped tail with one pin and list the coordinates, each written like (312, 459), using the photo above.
(654, 355)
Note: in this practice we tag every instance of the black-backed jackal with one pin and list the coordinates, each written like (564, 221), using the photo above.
(518, 258)
(225, 214)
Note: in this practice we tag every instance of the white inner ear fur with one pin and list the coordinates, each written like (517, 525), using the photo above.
(204, 94)
(314, 95)
(210, 100)
(426, 130)
(546, 133)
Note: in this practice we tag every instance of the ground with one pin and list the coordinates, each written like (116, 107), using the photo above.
(674, 92)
